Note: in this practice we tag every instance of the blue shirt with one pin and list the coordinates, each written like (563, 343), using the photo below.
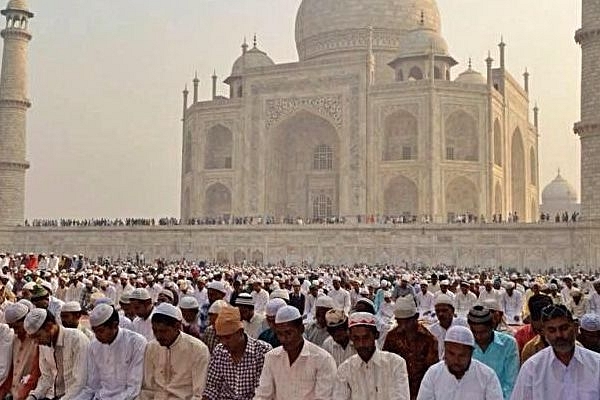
(501, 355)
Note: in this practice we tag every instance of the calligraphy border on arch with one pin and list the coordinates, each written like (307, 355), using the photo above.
(329, 107)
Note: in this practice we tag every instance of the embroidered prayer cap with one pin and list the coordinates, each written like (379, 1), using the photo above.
(71, 306)
(442, 298)
(361, 319)
(335, 318)
(479, 315)
(167, 293)
(280, 294)
(100, 314)
(273, 306)
(217, 285)
(34, 320)
(405, 308)
(287, 314)
(169, 310)
(15, 312)
(139, 294)
(590, 322)
(461, 335)
(244, 300)
(325, 302)
(188, 303)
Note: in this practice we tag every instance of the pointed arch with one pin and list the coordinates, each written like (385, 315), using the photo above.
(518, 174)
(462, 197)
(401, 197)
(462, 140)
(401, 137)
(415, 74)
(217, 201)
(497, 143)
(218, 149)
(498, 202)
(533, 167)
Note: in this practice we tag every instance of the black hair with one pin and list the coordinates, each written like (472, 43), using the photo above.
(114, 318)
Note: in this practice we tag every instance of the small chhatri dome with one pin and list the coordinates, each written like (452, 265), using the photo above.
(253, 58)
(17, 5)
(559, 190)
(471, 76)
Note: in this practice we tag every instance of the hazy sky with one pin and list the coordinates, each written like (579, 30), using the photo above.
(104, 131)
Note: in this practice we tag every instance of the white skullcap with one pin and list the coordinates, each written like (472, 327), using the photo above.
(216, 307)
(139, 294)
(590, 322)
(445, 282)
(361, 319)
(100, 314)
(124, 298)
(325, 302)
(167, 293)
(217, 285)
(29, 286)
(444, 299)
(295, 282)
(510, 285)
(71, 306)
(244, 299)
(287, 314)
(46, 285)
(336, 278)
(188, 303)
(461, 335)
(15, 312)
(169, 310)
(124, 275)
(280, 294)
(34, 320)
(27, 303)
(274, 305)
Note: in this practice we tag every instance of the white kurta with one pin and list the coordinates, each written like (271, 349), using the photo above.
(384, 377)
(74, 346)
(338, 353)
(260, 301)
(341, 299)
(115, 370)
(543, 377)
(177, 372)
(479, 382)
(310, 377)
(143, 327)
(6, 344)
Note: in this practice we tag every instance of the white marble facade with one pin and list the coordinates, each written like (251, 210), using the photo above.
(369, 121)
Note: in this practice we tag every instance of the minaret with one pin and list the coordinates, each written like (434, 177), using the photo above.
(588, 128)
(13, 112)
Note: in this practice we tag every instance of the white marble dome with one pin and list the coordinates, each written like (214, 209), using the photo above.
(253, 58)
(17, 5)
(472, 77)
(559, 190)
(331, 27)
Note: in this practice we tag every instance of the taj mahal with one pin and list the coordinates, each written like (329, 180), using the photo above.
(373, 119)
(376, 118)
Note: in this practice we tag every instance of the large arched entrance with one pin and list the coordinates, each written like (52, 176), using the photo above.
(462, 198)
(518, 175)
(302, 168)
(217, 202)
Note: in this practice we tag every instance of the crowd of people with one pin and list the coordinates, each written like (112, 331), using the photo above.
(196, 330)
(461, 218)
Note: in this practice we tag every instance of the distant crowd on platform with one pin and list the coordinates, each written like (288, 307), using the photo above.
(78, 329)
(465, 218)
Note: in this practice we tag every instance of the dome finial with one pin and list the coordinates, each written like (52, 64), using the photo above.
(244, 46)
(422, 21)
(470, 64)
(255, 40)
(558, 171)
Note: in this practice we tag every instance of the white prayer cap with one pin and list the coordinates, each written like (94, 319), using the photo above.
(405, 308)
(280, 294)
(14, 312)
(216, 307)
(461, 335)
(361, 319)
(124, 275)
(34, 320)
(274, 305)
(244, 299)
(167, 293)
(188, 303)
(27, 303)
(101, 300)
(424, 282)
(169, 310)
(336, 278)
(124, 298)
(325, 302)
(46, 285)
(29, 286)
(139, 294)
(590, 322)
(71, 306)
(295, 282)
(492, 304)
(217, 285)
(444, 299)
(445, 282)
(510, 285)
(287, 314)
(100, 314)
